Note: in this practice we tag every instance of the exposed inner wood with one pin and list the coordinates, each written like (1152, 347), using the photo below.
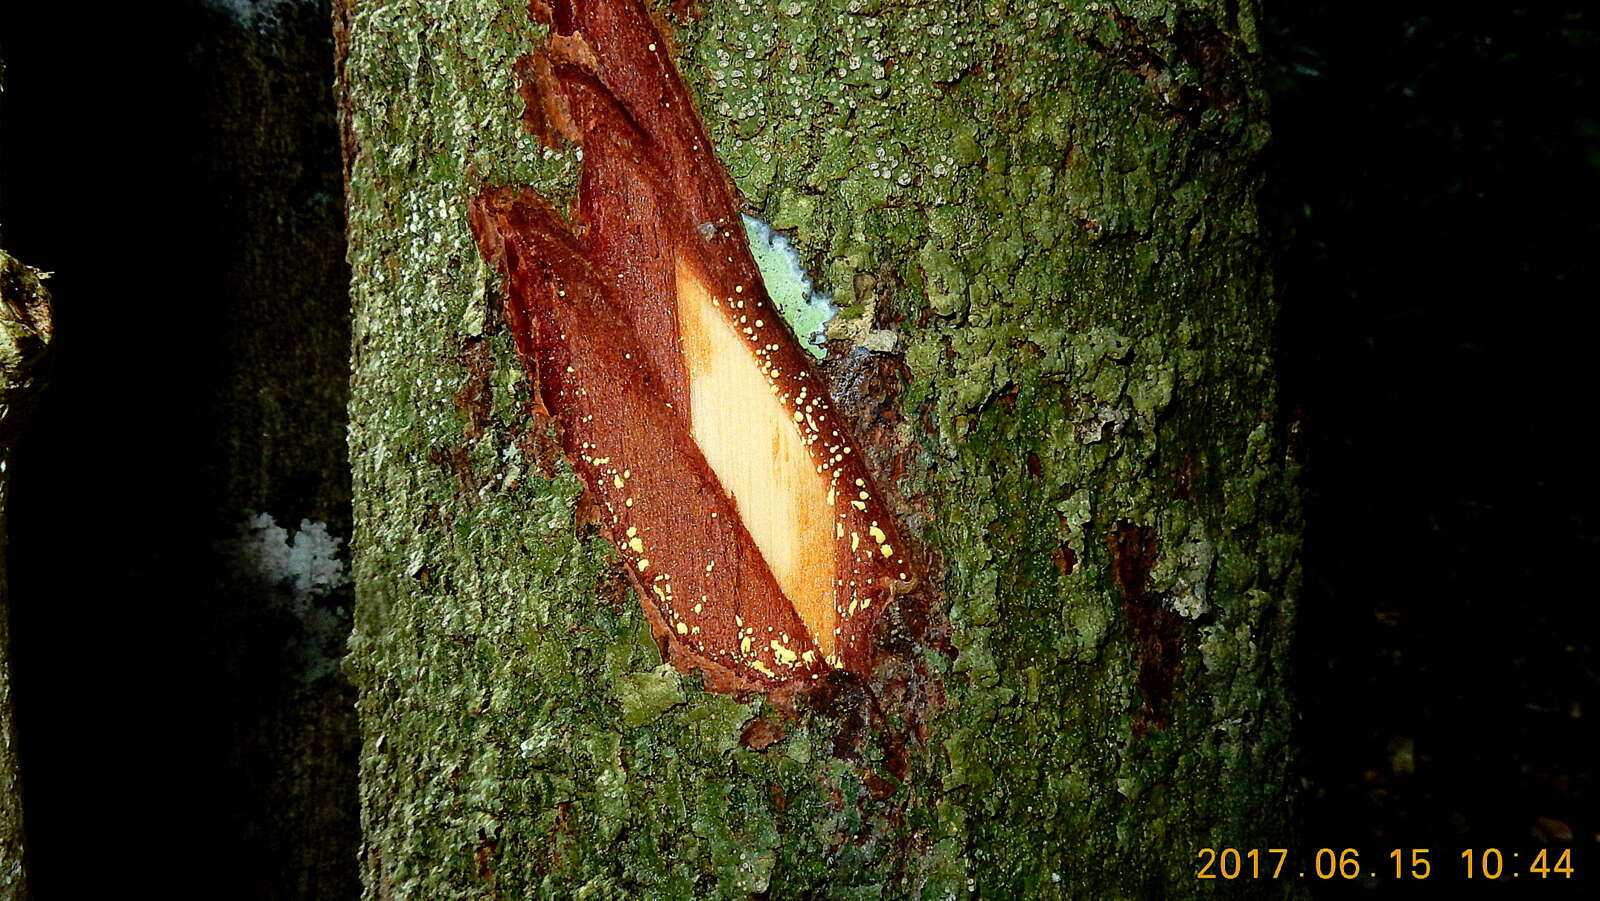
(762, 552)
(757, 450)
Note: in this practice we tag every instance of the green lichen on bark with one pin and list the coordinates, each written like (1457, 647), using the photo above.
(26, 329)
(1052, 207)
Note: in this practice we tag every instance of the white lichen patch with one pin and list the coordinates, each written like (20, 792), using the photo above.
(806, 309)
(1184, 574)
(1104, 422)
(305, 561)
(291, 571)
(859, 330)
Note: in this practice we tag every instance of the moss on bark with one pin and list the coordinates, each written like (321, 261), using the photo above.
(1050, 208)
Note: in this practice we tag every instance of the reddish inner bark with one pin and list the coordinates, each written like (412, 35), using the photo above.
(744, 513)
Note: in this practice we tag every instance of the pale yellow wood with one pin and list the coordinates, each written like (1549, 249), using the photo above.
(757, 450)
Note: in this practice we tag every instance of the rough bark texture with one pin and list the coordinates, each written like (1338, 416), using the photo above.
(1039, 222)
(26, 328)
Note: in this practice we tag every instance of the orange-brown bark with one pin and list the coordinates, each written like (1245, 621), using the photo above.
(745, 514)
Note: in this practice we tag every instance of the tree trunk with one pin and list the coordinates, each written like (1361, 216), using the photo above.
(26, 328)
(180, 605)
(1039, 224)
(282, 479)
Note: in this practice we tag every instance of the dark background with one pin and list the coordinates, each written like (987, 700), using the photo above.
(1433, 188)
(1434, 183)
(177, 165)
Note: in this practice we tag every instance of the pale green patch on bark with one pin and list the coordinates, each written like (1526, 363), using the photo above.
(790, 288)
(1055, 215)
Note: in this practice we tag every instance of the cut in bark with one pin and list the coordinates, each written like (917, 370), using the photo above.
(1052, 349)
(740, 503)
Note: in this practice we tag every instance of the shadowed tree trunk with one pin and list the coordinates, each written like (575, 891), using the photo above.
(1038, 222)
(25, 331)
(179, 600)
(281, 476)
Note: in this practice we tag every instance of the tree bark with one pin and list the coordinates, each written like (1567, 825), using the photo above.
(26, 329)
(281, 479)
(1039, 224)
